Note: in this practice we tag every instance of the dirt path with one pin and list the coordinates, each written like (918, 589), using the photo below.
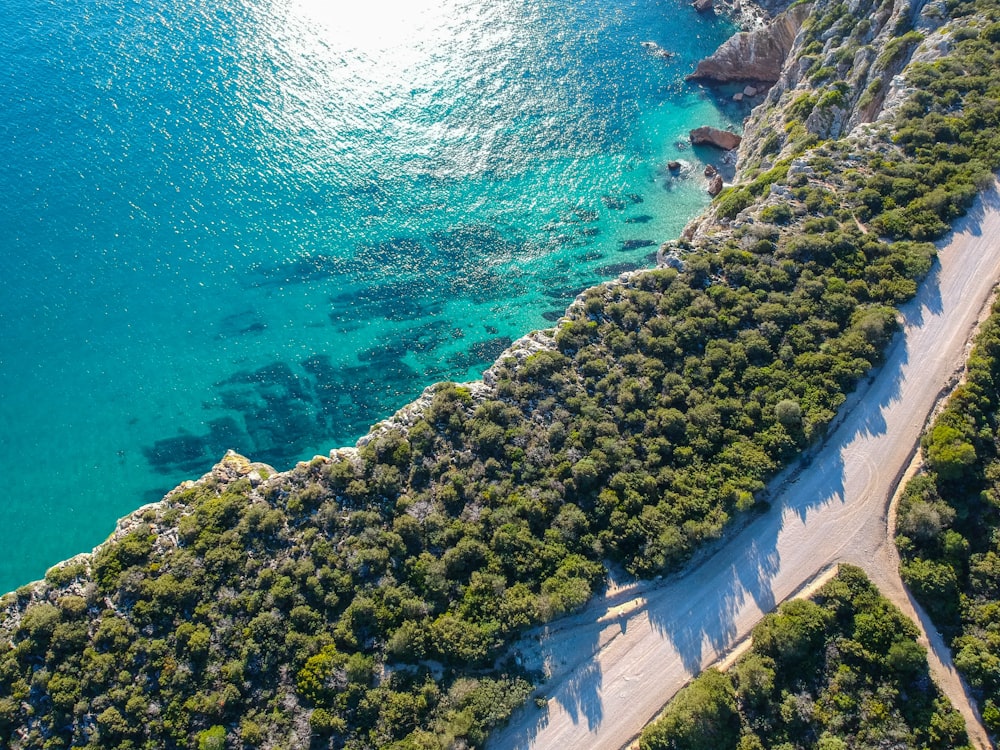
(884, 572)
(614, 665)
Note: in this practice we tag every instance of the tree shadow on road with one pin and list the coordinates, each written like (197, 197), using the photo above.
(700, 621)
(582, 696)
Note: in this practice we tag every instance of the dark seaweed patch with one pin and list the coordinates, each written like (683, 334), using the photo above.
(583, 214)
(614, 269)
(240, 324)
(396, 251)
(395, 301)
(640, 219)
(626, 245)
(490, 349)
(184, 452)
(302, 270)
(225, 433)
(553, 315)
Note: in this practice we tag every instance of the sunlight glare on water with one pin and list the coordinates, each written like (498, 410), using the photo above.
(389, 86)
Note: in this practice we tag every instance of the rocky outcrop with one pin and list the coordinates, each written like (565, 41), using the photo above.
(702, 6)
(714, 137)
(757, 55)
(715, 185)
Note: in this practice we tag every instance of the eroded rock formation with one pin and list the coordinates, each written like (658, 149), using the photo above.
(757, 55)
(714, 137)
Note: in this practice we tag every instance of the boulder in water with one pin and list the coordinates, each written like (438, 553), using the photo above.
(714, 137)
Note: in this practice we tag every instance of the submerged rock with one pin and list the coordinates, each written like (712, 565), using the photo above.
(635, 244)
(702, 6)
(656, 50)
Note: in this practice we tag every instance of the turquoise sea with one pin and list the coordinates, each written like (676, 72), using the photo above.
(267, 224)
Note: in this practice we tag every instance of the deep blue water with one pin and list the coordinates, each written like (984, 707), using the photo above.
(267, 224)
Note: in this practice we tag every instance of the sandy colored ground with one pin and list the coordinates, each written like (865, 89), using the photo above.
(614, 665)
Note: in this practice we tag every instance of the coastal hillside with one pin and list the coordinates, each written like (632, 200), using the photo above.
(367, 599)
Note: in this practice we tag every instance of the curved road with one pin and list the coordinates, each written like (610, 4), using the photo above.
(614, 665)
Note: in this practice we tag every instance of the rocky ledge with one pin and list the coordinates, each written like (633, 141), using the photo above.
(757, 55)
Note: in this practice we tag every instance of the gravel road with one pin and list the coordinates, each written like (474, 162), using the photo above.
(614, 665)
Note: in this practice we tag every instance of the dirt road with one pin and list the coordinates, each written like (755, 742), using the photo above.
(614, 665)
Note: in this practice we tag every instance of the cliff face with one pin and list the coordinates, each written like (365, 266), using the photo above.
(833, 71)
(841, 72)
(757, 56)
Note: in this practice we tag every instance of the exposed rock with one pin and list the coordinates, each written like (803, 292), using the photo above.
(714, 137)
(702, 6)
(668, 255)
(757, 55)
(656, 50)
(674, 166)
(738, 96)
(749, 91)
(710, 170)
(715, 185)
(827, 122)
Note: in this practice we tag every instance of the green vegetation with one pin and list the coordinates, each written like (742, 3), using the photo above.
(842, 670)
(370, 599)
(948, 527)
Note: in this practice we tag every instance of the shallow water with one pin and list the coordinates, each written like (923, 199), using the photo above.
(266, 225)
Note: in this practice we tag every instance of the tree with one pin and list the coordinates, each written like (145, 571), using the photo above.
(788, 412)
(949, 453)
(703, 716)
(212, 739)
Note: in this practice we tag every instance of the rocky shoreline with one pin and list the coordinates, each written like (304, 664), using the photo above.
(748, 16)
(769, 33)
